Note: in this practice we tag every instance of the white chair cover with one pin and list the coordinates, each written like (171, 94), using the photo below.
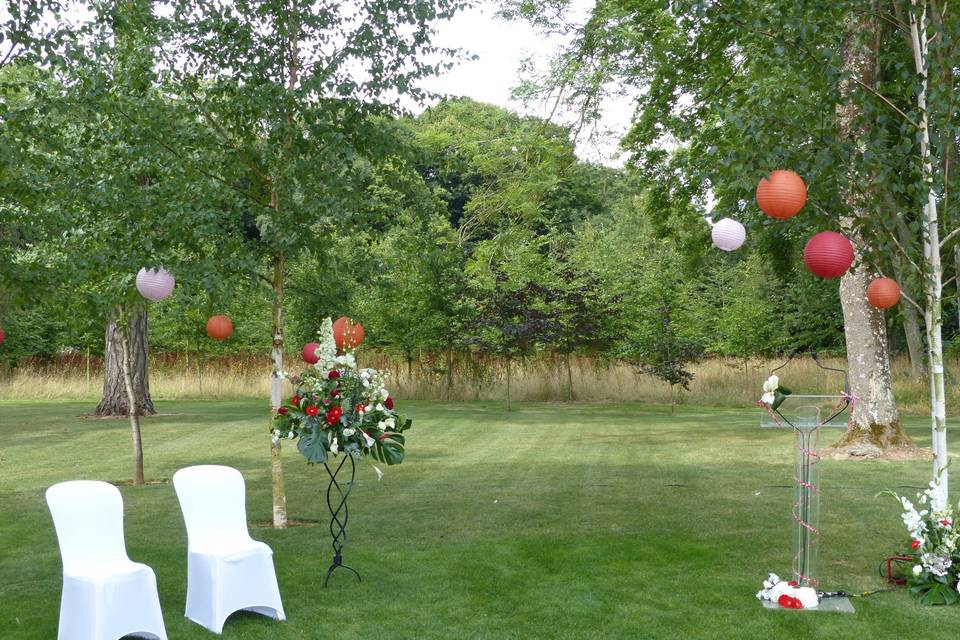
(105, 595)
(227, 570)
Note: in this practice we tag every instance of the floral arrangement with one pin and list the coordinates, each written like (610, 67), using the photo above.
(932, 547)
(787, 594)
(773, 394)
(338, 407)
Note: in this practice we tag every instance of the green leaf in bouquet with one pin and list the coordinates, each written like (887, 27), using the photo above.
(389, 451)
(312, 445)
(779, 396)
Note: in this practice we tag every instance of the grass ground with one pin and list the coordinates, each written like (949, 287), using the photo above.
(552, 521)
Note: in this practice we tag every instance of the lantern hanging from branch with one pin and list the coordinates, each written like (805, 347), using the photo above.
(728, 234)
(219, 327)
(309, 353)
(347, 333)
(155, 284)
(828, 254)
(782, 195)
(883, 293)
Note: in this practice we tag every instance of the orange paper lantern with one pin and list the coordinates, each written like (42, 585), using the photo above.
(883, 293)
(783, 195)
(347, 333)
(219, 327)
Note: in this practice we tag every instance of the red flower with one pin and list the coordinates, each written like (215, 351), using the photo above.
(360, 408)
(335, 393)
(295, 401)
(945, 522)
(915, 544)
(333, 374)
(792, 583)
(333, 415)
(789, 602)
(282, 411)
(312, 410)
(388, 403)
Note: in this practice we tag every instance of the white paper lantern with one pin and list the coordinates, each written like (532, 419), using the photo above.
(155, 284)
(728, 234)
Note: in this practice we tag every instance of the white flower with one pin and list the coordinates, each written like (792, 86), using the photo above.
(771, 580)
(390, 422)
(349, 431)
(768, 398)
(917, 569)
(384, 394)
(382, 425)
(380, 407)
(379, 472)
(334, 446)
(368, 441)
(275, 439)
(290, 435)
(772, 384)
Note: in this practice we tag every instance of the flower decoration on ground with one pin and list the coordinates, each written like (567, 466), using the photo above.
(773, 394)
(337, 407)
(787, 594)
(931, 547)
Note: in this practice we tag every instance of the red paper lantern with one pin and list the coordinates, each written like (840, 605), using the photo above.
(883, 293)
(783, 195)
(310, 353)
(828, 254)
(347, 333)
(219, 327)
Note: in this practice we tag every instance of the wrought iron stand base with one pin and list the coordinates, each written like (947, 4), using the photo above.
(337, 494)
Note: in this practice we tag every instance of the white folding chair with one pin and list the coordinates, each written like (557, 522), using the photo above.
(227, 570)
(105, 595)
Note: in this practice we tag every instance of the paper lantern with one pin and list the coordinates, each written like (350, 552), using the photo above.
(828, 254)
(155, 284)
(219, 327)
(728, 234)
(883, 293)
(347, 333)
(783, 195)
(310, 353)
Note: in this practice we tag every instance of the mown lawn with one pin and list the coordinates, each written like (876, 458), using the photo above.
(552, 521)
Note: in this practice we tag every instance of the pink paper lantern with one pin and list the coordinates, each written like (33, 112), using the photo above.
(155, 284)
(728, 234)
(310, 353)
(2, 336)
(828, 254)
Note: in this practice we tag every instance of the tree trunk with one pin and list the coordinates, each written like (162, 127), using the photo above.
(569, 379)
(131, 393)
(509, 408)
(933, 271)
(115, 396)
(873, 419)
(276, 396)
(449, 373)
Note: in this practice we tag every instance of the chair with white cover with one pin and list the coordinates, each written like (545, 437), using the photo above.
(227, 570)
(105, 595)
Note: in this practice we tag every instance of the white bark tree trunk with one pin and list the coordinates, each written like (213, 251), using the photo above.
(122, 334)
(933, 270)
(276, 396)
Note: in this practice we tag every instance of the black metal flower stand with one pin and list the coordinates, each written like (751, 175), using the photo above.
(337, 493)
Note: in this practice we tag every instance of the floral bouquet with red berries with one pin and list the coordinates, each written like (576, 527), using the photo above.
(338, 407)
(933, 547)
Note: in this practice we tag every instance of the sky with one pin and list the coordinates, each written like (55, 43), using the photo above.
(500, 46)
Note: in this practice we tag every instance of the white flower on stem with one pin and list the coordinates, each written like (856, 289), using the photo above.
(275, 439)
(380, 407)
(367, 440)
(334, 446)
(917, 569)
(390, 422)
(382, 425)
(290, 435)
(772, 384)
(379, 472)
(349, 431)
(768, 398)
